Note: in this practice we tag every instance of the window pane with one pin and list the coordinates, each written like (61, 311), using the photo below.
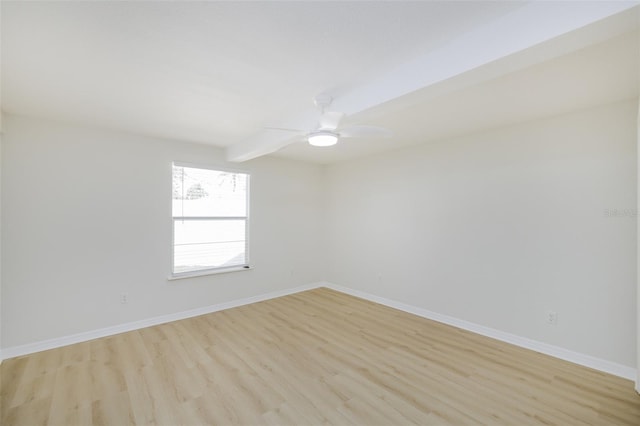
(206, 244)
(203, 192)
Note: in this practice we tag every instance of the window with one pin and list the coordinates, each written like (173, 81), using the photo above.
(210, 220)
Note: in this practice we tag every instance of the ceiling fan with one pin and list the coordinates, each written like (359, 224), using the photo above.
(328, 130)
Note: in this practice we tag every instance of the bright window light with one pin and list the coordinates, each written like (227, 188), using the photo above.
(210, 220)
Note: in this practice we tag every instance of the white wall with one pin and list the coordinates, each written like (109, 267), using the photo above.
(638, 254)
(495, 228)
(87, 216)
(501, 227)
(1, 133)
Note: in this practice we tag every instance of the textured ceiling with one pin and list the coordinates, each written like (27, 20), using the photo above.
(219, 72)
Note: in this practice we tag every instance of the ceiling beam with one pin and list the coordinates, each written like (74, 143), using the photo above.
(264, 143)
(523, 28)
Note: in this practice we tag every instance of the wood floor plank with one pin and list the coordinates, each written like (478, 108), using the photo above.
(318, 357)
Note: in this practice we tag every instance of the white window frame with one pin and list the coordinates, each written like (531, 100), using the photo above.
(220, 270)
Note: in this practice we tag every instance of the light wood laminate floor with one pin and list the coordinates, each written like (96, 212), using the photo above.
(317, 357)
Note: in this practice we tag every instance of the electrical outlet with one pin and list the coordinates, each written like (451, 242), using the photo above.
(124, 298)
(552, 318)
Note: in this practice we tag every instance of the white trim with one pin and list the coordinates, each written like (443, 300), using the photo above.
(44, 345)
(554, 351)
(216, 166)
(203, 272)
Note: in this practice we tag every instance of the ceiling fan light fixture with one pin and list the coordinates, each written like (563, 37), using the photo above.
(323, 138)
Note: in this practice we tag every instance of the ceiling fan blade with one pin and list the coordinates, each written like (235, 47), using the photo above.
(330, 120)
(365, 132)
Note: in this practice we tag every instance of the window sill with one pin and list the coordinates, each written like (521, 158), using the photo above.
(207, 272)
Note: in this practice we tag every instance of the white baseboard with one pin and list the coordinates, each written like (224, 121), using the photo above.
(44, 345)
(554, 351)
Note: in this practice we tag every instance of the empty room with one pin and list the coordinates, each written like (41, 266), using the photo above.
(319, 212)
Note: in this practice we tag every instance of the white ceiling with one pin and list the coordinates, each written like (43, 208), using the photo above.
(219, 72)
